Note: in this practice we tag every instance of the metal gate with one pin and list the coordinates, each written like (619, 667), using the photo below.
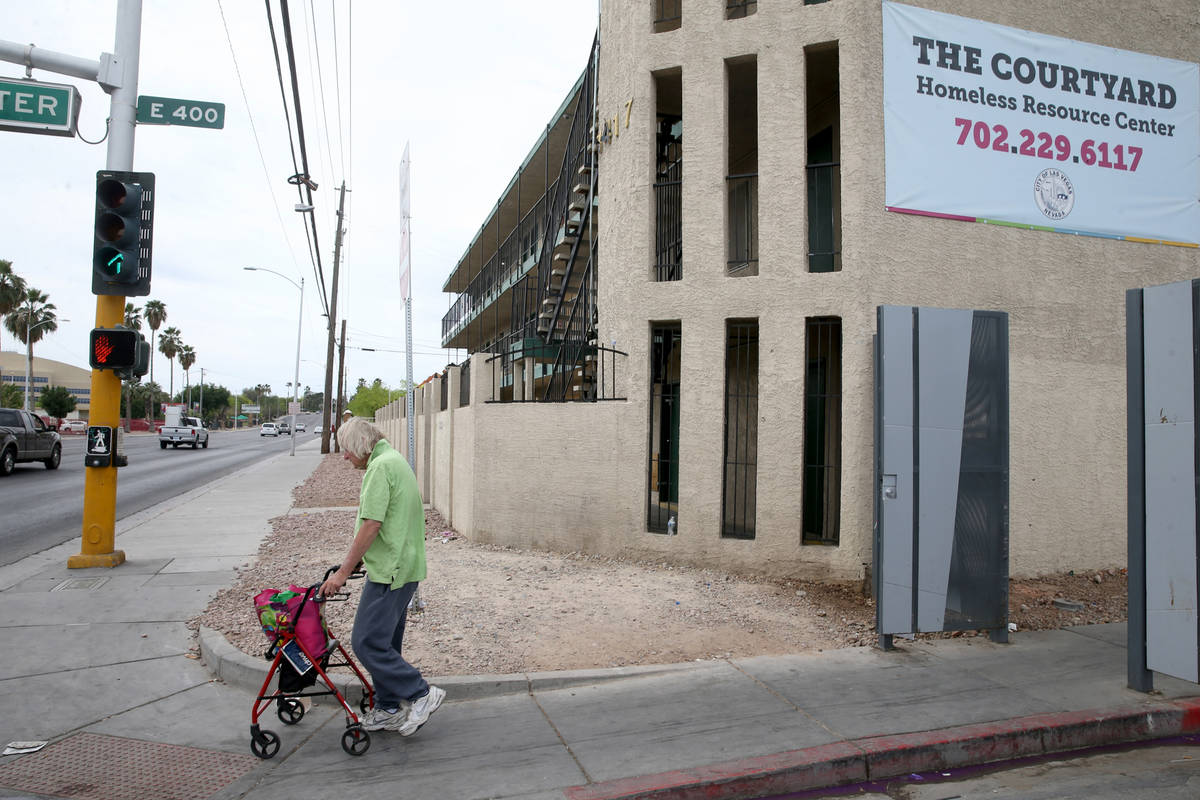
(1163, 362)
(941, 471)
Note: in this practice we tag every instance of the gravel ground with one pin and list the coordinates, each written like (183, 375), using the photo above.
(499, 610)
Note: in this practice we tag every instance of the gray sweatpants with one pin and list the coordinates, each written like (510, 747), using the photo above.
(377, 639)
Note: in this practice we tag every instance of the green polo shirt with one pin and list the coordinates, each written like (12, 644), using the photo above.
(389, 495)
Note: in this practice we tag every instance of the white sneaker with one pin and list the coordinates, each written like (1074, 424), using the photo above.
(421, 710)
(379, 720)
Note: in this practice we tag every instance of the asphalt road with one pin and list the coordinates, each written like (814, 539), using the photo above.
(1153, 771)
(42, 508)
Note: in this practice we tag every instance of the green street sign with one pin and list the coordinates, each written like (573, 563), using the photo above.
(36, 107)
(171, 111)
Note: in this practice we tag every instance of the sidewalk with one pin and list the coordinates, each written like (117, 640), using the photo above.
(96, 661)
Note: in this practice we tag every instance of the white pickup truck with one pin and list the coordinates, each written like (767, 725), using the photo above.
(181, 430)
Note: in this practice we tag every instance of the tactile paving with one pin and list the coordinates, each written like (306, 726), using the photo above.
(89, 766)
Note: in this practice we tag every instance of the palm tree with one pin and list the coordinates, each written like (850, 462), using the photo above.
(133, 319)
(156, 314)
(32, 320)
(12, 289)
(169, 344)
(187, 357)
(152, 391)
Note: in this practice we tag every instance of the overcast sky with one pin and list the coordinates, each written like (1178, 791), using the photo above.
(470, 85)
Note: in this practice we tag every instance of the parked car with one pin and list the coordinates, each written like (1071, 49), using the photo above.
(72, 426)
(268, 429)
(300, 427)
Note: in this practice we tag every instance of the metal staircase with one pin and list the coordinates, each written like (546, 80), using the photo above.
(566, 316)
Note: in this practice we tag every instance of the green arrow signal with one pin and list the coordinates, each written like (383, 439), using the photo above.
(118, 259)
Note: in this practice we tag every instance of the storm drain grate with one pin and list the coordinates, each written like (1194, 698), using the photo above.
(80, 583)
(91, 766)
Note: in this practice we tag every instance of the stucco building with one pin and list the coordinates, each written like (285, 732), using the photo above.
(47, 372)
(672, 308)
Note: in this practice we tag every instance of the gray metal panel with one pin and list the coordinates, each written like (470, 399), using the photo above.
(896, 514)
(1170, 482)
(978, 583)
(1140, 678)
(943, 358)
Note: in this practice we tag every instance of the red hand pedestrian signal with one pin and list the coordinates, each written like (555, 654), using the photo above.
(101, 349)
(113, 348)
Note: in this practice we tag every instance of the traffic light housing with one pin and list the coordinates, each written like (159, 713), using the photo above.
(122, 235)
(120, 349)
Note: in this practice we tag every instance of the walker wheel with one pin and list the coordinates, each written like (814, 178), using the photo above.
(265, 745)
(356, 740)
(289, 710)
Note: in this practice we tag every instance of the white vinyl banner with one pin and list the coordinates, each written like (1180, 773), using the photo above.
(988, 123)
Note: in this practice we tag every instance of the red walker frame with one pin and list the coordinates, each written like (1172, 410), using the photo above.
(356, 739)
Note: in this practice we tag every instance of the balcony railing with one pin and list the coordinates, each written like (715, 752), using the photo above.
(668, 15)
(824, 245)
(516, 256)
(736, 9)
(742, 249)
(668, 228)
(562, 372)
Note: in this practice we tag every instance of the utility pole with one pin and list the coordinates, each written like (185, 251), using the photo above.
(337, 254)
(341, 382)
(202, 394)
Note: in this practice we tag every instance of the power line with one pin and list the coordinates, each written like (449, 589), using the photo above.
(301, 177)
(254, 130)
(338, 85)
(309, 234)
(320, 84)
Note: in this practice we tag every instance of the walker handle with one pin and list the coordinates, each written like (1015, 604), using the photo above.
(357, 573)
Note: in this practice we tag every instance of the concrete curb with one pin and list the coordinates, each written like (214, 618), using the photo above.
(881, 757)
(236, 668)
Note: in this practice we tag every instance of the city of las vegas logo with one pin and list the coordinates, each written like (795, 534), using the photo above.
(1053, 193)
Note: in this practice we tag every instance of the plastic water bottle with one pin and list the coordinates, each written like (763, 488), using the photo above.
(671, 526)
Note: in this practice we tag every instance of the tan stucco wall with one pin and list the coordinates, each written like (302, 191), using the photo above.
(574, 476)
(1065, 295)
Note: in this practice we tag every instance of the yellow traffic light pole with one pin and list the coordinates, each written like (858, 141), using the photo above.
(117, 74)
(98, 547)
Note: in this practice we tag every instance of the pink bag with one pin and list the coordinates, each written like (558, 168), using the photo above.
(277, 614)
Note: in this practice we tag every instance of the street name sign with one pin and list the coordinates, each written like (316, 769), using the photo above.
(171, 111)
(36, 107)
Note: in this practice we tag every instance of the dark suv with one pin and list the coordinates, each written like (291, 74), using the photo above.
(25, 437)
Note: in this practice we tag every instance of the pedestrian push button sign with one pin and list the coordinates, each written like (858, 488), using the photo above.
(99, 446)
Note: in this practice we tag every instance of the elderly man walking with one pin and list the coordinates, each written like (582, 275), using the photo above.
(389, 541)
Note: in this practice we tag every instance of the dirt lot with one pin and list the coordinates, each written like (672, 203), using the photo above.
(498, 610)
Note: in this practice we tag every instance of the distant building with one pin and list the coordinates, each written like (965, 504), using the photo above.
(46, 373)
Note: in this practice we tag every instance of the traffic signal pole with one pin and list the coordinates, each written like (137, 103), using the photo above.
(100, 483)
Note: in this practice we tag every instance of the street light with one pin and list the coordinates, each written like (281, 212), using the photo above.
(299, 328)
(29, 353)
